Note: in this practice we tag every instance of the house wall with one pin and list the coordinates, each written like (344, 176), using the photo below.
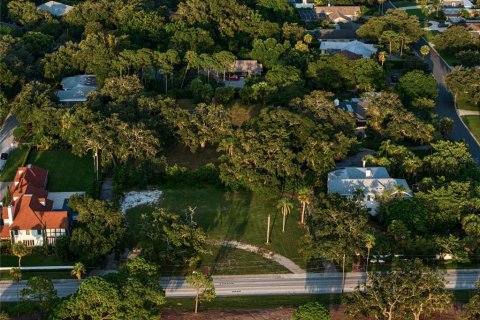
(27, 236)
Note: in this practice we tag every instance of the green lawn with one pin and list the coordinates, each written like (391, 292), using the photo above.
(450, 59)
(66, 172)
(234, 303)
(430, 34)
(473, 123)
(404, 3)
(416, 12)
(64, 274)
(227, 261)
(464, 103)
(15, 159)
(32, 260)
(238, 216)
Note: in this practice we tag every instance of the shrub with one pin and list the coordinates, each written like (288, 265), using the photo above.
(311, 311)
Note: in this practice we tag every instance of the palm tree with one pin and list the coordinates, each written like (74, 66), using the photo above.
(78, 270)
(370, 243)
(382, 56)
(380, 5)
(425, 50)
(20, 250)
(285, 205)
(304, 196)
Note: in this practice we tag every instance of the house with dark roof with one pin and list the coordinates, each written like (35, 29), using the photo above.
(29, 217)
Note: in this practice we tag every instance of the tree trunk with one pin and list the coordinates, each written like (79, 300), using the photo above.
(368, 258)
(268, 229)
(343, 273)
(401, 48)
(390, 47)
(166, 84)
(284, 218)
(19, 262)
(196, 302)
(303, 212)
(185, 74)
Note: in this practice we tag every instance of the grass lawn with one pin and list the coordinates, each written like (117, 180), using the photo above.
(416, 12)
(464, 103)
(226, 261)
(242, 113)
(233, 303)
(450, 59)
(238, 216)
(63, 274)
(32, 261)
(66, 172)
(404, 3)
(473, 123)
(182, 156)
(430, 34)
(15, 159)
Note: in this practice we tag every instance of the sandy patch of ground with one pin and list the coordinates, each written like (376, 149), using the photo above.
(137, 198)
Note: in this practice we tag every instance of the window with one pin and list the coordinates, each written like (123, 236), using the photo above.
(39, 232)
(15, 232)
(27, 232)
(29, 243)
(369, 198)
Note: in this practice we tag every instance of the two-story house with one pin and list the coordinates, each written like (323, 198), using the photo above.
(29, 217)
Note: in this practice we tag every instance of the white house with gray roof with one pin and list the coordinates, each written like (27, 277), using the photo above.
(372, 181)
(57, 9)
(77, 88)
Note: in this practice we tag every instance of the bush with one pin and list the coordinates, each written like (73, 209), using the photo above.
(62, 248)
(5, 247)
(19, 134)
(311, 311)
(224, 95)
(206, 175)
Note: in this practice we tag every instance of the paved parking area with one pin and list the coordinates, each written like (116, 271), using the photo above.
(307, 15)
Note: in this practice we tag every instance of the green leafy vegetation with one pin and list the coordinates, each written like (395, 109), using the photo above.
(15, 160)
(473, 123)
(66, 172)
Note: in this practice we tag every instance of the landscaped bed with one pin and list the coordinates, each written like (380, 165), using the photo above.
(240, 216)
(66, 172)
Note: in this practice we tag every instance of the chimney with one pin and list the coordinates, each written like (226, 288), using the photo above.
(368, 173)
(42, 201)
(10, 213)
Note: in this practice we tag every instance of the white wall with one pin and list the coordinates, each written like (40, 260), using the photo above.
(38, 239)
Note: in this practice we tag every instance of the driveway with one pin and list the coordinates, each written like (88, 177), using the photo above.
(445, 106)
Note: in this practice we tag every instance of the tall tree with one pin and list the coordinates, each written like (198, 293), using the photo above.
(39, 296)
(204, 287)
(285, 205)
(304, 196)
(413, 291)
(99, 231)
(338, 231)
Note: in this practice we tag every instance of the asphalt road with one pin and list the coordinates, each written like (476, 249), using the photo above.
(286, 284)
(6, 133)
(445, 106)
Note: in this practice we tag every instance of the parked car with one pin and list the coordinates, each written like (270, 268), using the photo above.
(4, 156)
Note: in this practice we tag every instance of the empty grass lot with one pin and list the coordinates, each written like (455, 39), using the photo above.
(473, 123)
(66, 172)
(15, 159)
(464, 103)
(240, 216)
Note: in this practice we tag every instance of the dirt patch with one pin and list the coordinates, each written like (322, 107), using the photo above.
(258, 314)
(336, 313)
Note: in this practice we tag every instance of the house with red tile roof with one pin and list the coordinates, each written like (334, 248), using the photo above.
(29, 217)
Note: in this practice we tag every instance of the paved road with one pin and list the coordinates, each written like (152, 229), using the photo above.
(286, 284)
(445, 105)
(6, 133)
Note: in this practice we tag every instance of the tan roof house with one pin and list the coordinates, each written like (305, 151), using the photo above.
(338, 14)
(250, 67)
